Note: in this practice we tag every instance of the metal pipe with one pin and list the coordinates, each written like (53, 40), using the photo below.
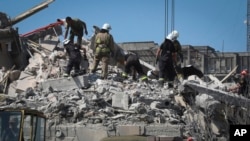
(30, 12)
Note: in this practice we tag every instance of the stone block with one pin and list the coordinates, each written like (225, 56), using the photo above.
(66, 83)
(85, 134)
(126, 130)
(22, 85)
(166, 129)
(120, 101)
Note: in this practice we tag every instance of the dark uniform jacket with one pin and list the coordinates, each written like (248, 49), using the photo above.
(73, 51)
(167, 49)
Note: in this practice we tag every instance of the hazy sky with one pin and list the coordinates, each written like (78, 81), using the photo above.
(215, 23)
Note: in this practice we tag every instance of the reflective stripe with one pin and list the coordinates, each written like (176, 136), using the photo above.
(124, 74)
(161, 79)
(144, 78)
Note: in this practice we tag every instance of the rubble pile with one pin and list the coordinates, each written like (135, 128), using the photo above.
(198, 108)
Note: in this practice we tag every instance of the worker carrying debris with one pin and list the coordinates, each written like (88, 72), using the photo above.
(242, 85)
(166, 56)
(73, 50)
(77, 27)
(132, 63)
(104, 48)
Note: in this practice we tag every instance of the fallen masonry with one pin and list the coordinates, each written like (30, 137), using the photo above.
(86, 107)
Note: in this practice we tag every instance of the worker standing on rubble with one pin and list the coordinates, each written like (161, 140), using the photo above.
(104, 48)
(73, 50)
(179, 56)
(242, 86)
(77, 28)
(132, 63)
(166, 56)
(173, 37)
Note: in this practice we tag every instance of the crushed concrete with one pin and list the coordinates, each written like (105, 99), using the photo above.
(82, 107)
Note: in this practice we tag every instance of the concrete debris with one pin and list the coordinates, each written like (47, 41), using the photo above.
(79, 108)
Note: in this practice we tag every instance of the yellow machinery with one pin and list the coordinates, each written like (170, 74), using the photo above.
(22, 125)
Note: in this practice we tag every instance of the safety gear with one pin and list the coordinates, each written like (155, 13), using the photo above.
(65, 75)
(175, 34)
(144, 78)
(124, 75)
(66, 41)
(106, 26)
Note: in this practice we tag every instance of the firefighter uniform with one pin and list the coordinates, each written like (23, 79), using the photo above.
(104, 47)
(166, 55)
(132, 63)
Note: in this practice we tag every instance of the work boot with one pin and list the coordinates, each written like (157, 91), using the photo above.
(65, 75)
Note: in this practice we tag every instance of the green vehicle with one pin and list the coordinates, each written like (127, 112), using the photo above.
(22, 125)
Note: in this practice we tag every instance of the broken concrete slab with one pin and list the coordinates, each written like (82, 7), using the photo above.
(120, 101)
(225, 97)
(69, 83)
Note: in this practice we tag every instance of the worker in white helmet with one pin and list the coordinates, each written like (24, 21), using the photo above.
(173, 37)
(104, 49)
(179, 56)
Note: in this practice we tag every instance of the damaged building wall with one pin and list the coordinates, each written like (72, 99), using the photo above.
(82, 107)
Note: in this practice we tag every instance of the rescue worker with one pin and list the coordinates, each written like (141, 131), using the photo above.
(173, 37)
(104, 48)
(132, 63)
(179, 56)
(77, 27)
(242, 86)
(11, 133)
(73, 50)
(166, 55)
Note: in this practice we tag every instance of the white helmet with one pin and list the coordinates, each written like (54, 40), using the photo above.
(106, 26)
(175, 34)
(169, 36)
(66, 41)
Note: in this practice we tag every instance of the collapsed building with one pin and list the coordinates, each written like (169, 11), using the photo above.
(88, 108)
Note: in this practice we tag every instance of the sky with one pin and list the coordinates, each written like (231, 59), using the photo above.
(215, 23)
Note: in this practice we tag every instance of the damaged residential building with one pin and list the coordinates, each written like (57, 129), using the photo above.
(87, 108)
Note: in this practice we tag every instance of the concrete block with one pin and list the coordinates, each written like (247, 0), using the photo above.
(66, 83)
(22, 85)
(120, 101)
(85, 134)
(71, 131)
(126, 130)
(163, 129)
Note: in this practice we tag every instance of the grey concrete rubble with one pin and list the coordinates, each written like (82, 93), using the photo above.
(88, 108)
